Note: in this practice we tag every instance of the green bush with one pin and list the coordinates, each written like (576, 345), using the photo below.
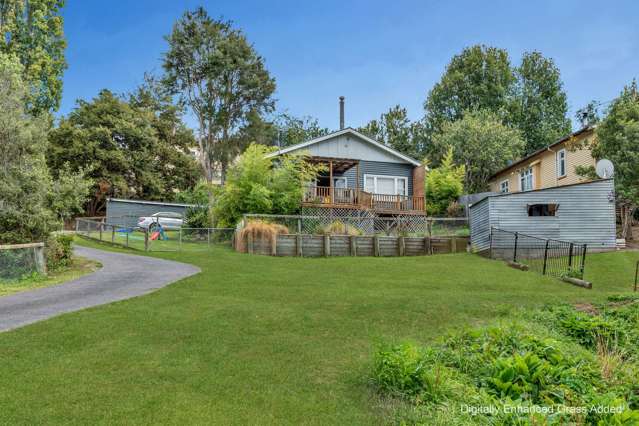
(444, 185)
(551, 359)
(58, 251)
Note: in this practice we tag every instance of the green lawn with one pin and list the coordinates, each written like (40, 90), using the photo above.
(79, 266)
(262, 340)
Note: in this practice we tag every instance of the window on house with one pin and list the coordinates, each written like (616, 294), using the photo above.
(387, 185)
(504, 187)
(561, 163)
(542, 209)
(526, 179)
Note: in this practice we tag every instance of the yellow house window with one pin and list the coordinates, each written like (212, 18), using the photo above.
(561, 163)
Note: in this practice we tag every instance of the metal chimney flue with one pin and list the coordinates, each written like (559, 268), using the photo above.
(341, 112)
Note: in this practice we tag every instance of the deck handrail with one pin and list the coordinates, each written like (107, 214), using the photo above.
(324, 195)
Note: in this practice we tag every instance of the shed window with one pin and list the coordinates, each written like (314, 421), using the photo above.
(542, 209)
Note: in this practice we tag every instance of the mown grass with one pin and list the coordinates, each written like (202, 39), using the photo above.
(262, 340)
(79, 267)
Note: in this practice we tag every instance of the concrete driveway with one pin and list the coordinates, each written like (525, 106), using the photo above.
(122, 276)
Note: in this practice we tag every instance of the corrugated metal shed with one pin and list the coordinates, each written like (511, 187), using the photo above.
(585, 215)
(125, 212)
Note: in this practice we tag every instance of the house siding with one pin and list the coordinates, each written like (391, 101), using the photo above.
(544, 166)
(379, 168)
(586, 215)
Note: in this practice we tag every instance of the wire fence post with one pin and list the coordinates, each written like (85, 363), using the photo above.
(570, 247)
(583, 260)
(636, 275)
(545, 257)
(208, 237)
(515, 248)
(180, 243)
(490, 240)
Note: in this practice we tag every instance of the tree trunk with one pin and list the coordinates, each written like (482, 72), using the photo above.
(627, 213)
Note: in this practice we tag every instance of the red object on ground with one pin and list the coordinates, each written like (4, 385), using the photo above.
(155, 235)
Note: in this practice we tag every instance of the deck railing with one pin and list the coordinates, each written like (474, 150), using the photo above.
(323, 195)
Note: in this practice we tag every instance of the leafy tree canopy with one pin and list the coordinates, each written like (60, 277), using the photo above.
(482, 144)
(540, 107)
(258, 184)
(395, 129)
(31, 202)
(132, 148)
(291, 130)
(618, 141)
(222, 79)
(33, 31)
(529, 97)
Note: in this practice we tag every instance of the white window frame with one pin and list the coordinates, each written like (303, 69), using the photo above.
(501, 186)
(560, 153)
(335, 179)
(396, 178)
(522, 176)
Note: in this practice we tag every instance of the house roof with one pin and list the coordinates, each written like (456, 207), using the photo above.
(520, 193)
(347, 130)
(539, 151)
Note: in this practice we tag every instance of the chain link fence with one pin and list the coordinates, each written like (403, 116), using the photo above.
(398, 225)
(545, 256)
(20, 260)
(119, 231)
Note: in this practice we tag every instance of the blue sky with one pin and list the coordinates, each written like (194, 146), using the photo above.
(376, 53)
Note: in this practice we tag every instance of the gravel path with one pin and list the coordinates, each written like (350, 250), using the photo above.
(122, 276)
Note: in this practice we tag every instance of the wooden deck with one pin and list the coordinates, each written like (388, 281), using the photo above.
(331, 197)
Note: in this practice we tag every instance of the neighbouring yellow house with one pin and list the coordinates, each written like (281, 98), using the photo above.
(551, 166)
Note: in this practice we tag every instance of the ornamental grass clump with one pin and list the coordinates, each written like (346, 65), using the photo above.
(340, 228)
(259, 230)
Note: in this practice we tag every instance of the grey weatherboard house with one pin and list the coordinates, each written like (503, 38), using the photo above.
(582, 213)
(362, 175)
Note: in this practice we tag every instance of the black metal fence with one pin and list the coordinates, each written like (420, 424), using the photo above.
(545, 256)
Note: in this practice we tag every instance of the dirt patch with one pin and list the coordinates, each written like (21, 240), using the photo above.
(588, 308)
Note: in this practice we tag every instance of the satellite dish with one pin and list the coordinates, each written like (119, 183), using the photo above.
(605, 169)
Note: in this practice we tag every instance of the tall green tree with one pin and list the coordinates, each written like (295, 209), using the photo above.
(481, 144)
(291, 130)
(24, 178)
(480, 77)
(33, 31)
(395, 129)
(222, 79)
(129, 148)
(618, 141)
(540, 106)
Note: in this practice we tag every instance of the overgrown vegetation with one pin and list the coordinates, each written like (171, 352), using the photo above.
(444, 185)
(338, 227)
(557, 365)
(259, 230)
(257, 183)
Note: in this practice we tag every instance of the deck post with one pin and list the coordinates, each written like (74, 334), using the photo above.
(353, 243)
(327, 245)
(330, 183)
(376, 246)
(298, 244)
(401, 246)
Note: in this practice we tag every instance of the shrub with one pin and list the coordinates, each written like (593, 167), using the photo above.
(59, 251)
(259, 229)
(339, 228)
(197, 217)
(444, 185)
(257, 183)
